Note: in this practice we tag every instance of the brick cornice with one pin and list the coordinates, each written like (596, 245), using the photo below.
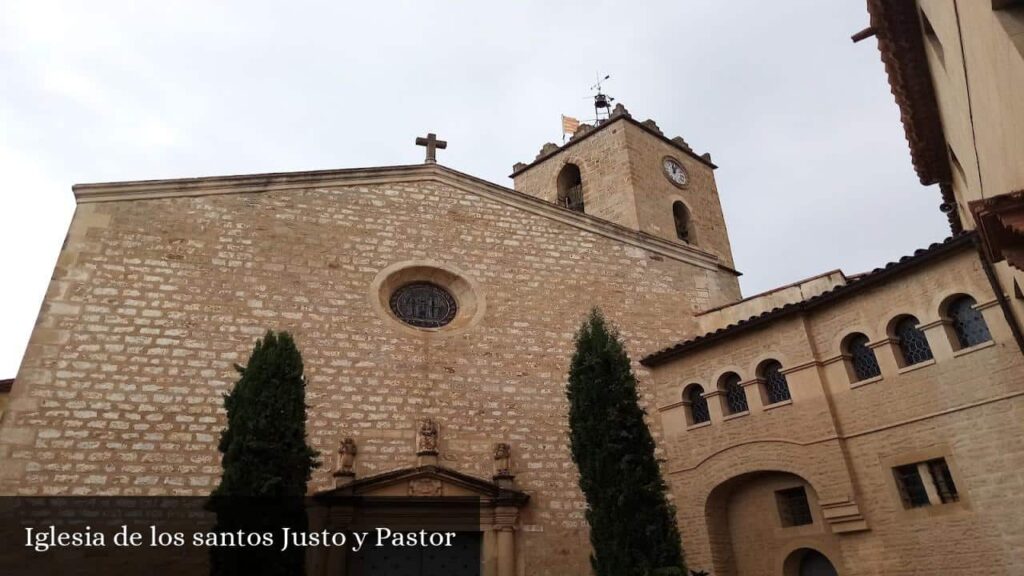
(258, 183)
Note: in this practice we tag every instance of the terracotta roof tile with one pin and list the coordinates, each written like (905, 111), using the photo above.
(855, 284)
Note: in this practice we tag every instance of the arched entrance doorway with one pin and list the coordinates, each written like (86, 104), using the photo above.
(766, 510)
(815, 563)
(809, 562)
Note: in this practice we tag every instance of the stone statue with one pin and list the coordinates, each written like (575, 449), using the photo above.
(426, 437)
(346, 458)
(502, 459)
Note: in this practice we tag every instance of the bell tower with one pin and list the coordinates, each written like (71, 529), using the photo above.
(630, 173)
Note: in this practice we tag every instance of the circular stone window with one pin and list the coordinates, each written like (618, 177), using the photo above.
(424, 297)
(423, 305)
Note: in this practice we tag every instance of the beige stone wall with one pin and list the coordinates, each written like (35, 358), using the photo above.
(153, 300)
(751, 306)
(977, 66)
(603, 160)
(976, 58)
(843, 438)
(655, 194)
(753, 516)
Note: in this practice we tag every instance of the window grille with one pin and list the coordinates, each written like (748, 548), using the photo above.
(969, 325)
(912, 342)
(735, 397)
(865, 364)
(794, 510)
(423, 305)
(776, 387)
(698, 405)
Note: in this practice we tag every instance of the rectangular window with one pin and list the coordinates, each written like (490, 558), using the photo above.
(926, 483)
(793, 507)
(943, 481)
(911, 486)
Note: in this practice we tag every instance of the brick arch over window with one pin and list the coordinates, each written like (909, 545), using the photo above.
(965, 321)
(776, 387)
(696, 405)
(910, 341)
(860, 358)
(734, 396)
(570, 188)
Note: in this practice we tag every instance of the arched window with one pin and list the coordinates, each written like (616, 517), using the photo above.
(912, 342)
(682, 219)
(775, 386)
(735, 397)
(863, 362)
(570, 188)
(698, 404)
(968, 325)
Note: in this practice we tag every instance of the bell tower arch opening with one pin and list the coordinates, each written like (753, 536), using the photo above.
(570, 188)
(681, 217)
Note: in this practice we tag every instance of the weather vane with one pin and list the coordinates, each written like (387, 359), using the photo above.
(602, 101)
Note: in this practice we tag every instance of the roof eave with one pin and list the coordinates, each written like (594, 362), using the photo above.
(868, 280)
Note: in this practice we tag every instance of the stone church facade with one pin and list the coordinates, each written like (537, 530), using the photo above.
(845, 424)
(162, 286)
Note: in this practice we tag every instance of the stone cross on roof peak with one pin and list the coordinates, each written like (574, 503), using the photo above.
(432, 144)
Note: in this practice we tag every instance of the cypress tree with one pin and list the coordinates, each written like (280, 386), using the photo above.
(266, 460)
(632, 525)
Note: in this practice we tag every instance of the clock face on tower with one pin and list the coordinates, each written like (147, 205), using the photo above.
(674, 171)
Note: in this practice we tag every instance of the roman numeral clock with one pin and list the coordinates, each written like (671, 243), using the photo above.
(674, 171)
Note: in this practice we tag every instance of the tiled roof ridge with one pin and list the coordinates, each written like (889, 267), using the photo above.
(856, 282)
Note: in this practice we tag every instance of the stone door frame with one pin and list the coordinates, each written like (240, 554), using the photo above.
(432, 498)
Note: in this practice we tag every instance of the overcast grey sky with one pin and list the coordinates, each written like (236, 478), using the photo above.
(814, 172)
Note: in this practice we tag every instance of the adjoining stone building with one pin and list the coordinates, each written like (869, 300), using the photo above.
(956, 68)
(871, 423)
(862, 424)
(868, 424)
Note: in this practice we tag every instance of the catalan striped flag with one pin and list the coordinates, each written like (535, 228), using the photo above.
(569, 124)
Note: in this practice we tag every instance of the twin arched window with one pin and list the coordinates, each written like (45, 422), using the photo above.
(698, 404)
(968, 325)
(863, 362)
(775, 386)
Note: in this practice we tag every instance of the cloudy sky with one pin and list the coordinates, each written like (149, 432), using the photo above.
(814, 171)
